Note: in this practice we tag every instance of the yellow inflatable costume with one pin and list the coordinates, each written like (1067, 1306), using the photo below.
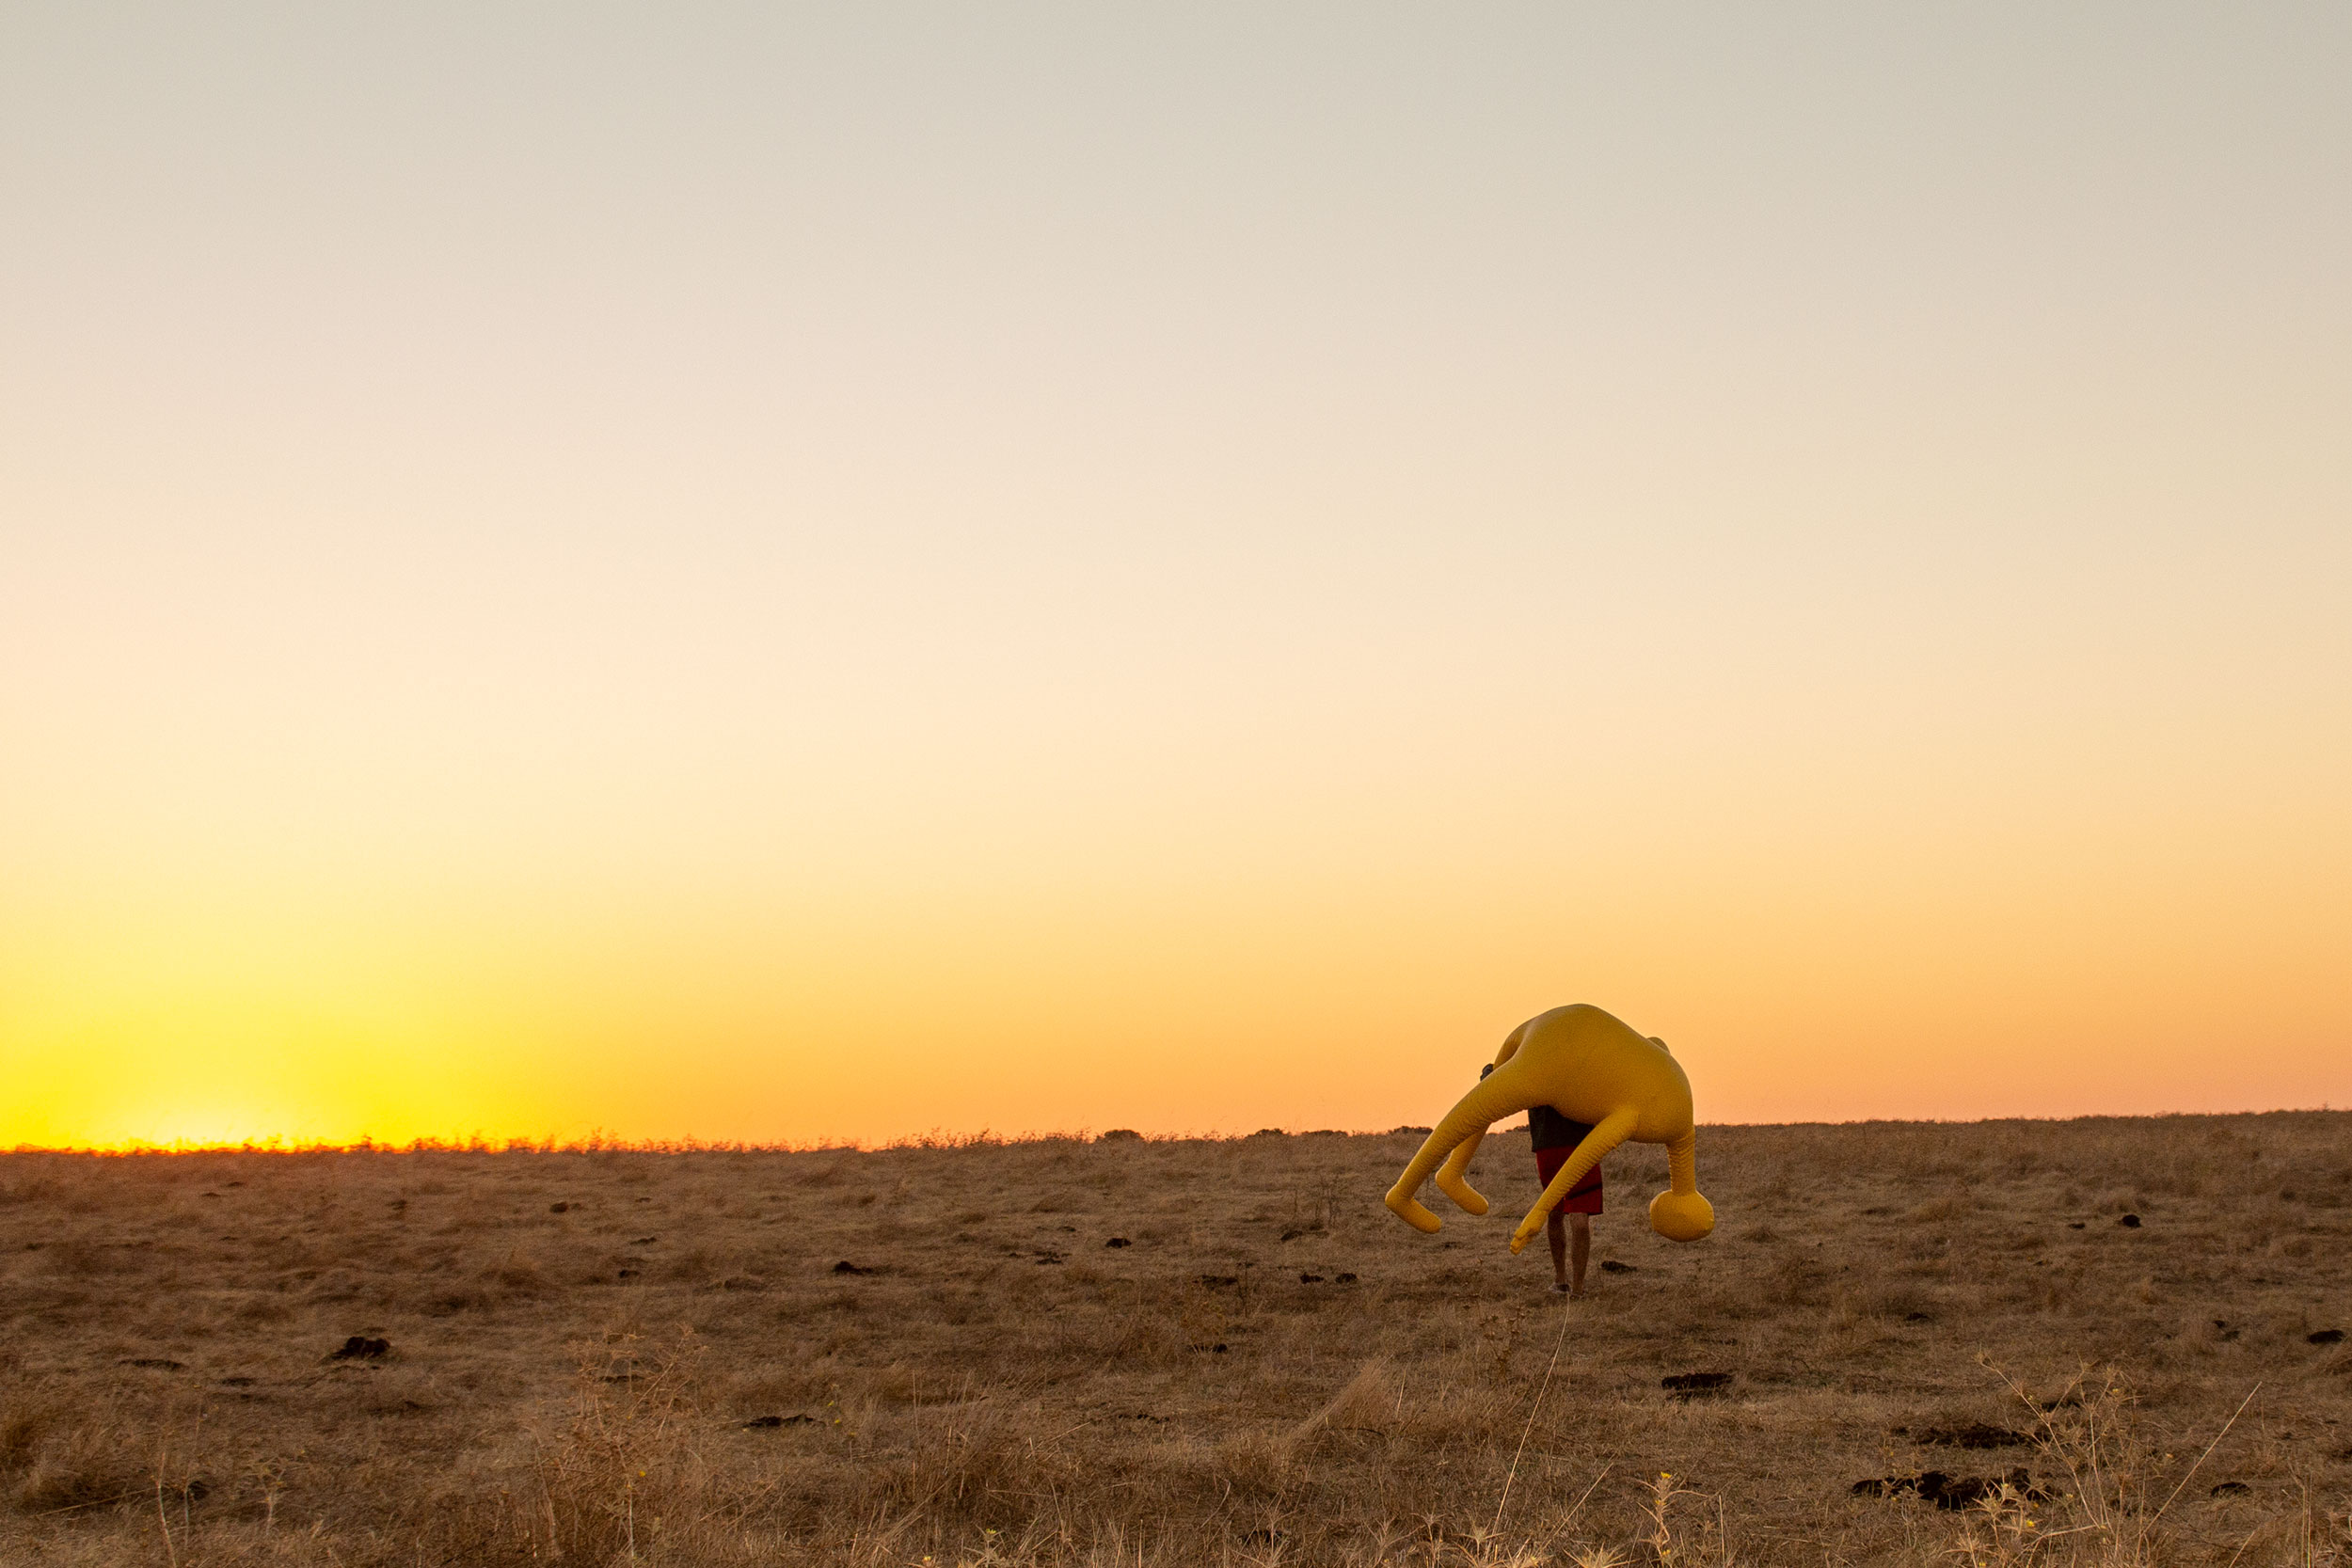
(1590, 1068)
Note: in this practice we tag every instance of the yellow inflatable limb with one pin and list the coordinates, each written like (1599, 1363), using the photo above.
(1453, 1176)
(1612, 1132)
(1591, 1069)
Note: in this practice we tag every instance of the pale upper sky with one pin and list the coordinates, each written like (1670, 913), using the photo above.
(776, 573)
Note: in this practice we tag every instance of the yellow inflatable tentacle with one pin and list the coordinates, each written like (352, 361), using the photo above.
(1493, 1099)
(1682, 1162)
(1452, 1178)
(1680, 1213)
(1613, 1130)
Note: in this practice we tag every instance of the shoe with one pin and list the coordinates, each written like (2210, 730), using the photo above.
(1560, 1286)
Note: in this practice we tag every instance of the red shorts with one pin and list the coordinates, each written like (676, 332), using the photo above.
(1585, 1197)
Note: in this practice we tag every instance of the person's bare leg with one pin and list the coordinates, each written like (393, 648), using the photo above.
(1582, 1225)
(1557, 1234)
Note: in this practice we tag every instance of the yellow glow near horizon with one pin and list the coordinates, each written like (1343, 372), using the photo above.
(779, 577)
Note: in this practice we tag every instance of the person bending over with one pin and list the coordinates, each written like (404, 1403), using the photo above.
(1569, 1226)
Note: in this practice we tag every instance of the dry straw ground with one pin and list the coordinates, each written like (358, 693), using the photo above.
(620, 1355)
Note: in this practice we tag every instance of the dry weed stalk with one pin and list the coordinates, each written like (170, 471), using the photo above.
(2111, 1469)
(2002, 1531)
(1670, 1541)
(630, 1463)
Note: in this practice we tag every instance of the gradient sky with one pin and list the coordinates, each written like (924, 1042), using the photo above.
(787, 573)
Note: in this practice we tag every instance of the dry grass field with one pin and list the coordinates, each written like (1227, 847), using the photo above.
(1184, 1352)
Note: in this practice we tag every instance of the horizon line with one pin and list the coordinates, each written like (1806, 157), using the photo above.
(596, 1143)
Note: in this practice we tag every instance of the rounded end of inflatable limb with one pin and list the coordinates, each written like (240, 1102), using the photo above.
(1461, 1191)
(1402, 1205)
(1681, 1216)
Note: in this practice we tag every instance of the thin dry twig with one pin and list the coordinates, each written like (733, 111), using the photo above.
(1568, 1518)
(2209, 1448)
(171, 1552)
(1532, 1412)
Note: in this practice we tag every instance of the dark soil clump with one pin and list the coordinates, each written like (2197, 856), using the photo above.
(1691, 1385)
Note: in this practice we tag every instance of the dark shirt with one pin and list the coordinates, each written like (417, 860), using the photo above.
(1548, 1129)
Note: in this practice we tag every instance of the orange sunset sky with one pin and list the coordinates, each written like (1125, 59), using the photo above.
(698, 571)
